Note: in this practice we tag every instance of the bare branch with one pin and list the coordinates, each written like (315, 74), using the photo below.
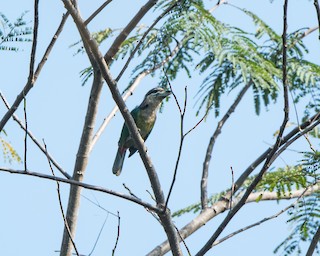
(93, 15)
(30, 83)
(15, 118)
(34, 42)
(220, 2)
(316, 5)
(232, 187)
(60, 202)
(143, 37)
(222, 206)
(25, 134)
(118, 236)
(31, 74)
(103, 68)
(314, 243)
(83, 185)
(205, 171)
(100, 232)
(263, 220)
(184, 242)
(127, 30)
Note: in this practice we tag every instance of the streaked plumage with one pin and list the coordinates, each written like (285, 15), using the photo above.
(144, 116)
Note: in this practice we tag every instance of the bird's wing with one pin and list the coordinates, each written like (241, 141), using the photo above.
(125, 138)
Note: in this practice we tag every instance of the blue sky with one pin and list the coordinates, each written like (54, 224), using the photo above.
(30, 218)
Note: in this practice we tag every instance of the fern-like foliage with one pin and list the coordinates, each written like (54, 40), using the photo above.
(283, 181)
(12, 33)
(9, 153)
(305, 220)
(305, 216)
(190, 39)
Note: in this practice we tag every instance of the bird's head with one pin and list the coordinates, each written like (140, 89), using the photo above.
(158, 92)
(154, 97)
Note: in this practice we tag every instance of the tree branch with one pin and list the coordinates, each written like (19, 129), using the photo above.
(93, 15)
(83, 185)
(314, 243)
(316, 5)
(126, 31)
(143, 37)
(205, 170)
(222, 206)
(31, 82)
(267, 196)
(102, 64)
(34, 139)
(60, 201)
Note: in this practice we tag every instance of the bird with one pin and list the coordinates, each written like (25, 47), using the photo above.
(145, 116)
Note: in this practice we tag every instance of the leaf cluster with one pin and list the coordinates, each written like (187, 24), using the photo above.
(305, 216)
(12, 33)
(9, 153)
(231, 58)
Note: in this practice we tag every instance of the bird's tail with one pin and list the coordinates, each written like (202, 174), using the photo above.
(118, 162)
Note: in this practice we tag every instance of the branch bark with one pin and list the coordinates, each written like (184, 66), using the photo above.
(205, 170)
(126, 31)
(314, 243)
(222, 206)
(103, 67)
(83, 185)
(81, 163)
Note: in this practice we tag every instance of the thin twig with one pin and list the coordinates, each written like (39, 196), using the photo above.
(93, 15)
(220, 2)
(143, 37)
(205, 171)
(83, 185)
(98, 205)
(31, 74)
(25, 134)
(314, 243)
(263, 220)
(114, 48)
(182, 113)
(182, 134)
(34, 139)
(118, 236)
(232, 187)
(316, 5)
(60, 202)
(199, 122)
(221, 206)
(98, 237)
(34, 42)
(29, 85)
(129, 190)
(183, 241)
(172, 92)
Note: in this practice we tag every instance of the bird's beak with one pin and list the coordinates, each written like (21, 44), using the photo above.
(166, 93)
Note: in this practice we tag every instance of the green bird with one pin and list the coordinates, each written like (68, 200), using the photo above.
(144, 116)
